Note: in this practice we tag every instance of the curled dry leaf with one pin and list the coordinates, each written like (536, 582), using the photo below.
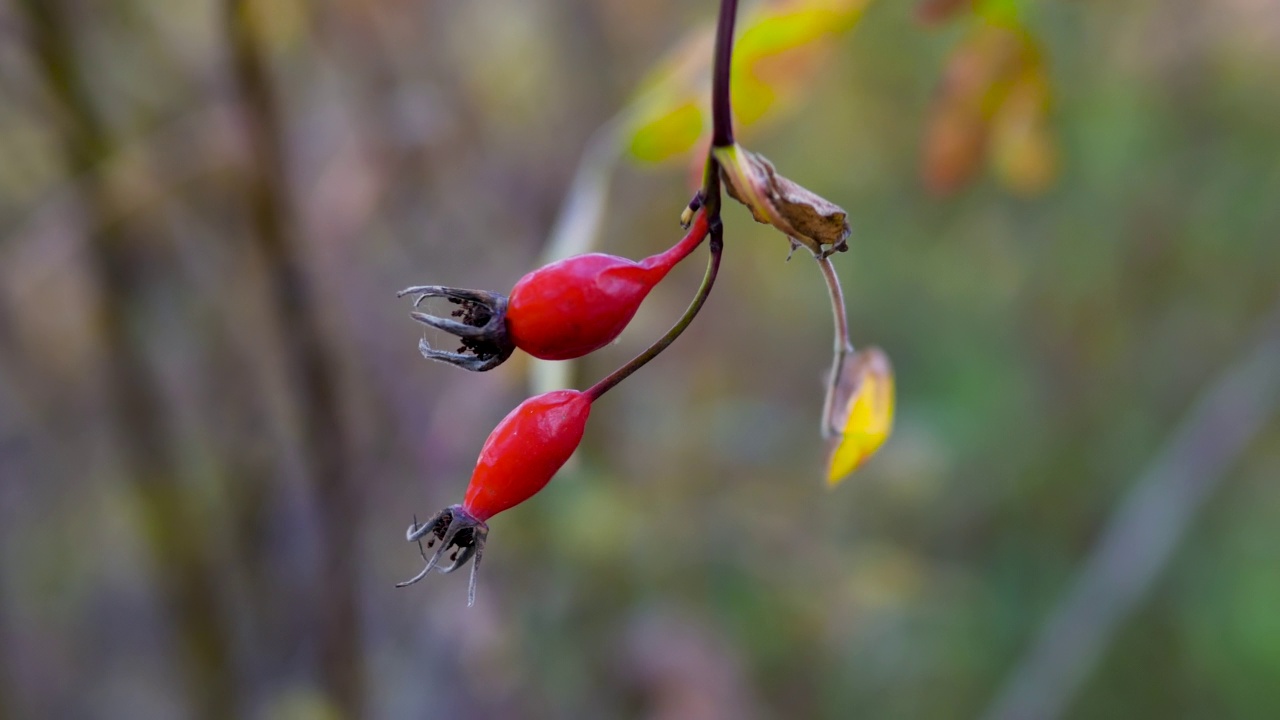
(862, 412)
(806, 218)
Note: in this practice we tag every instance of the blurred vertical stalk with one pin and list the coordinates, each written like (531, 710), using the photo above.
(311, 366)
(8, 376)
(576, 229)
(184, 569)
(1143, 533)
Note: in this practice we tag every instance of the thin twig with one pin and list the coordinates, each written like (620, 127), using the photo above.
(708, 281)
(721, 103)
(710, 198)
(1143, 533)
(843, 346)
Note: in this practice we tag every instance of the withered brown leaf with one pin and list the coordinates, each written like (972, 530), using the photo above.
(804, 216)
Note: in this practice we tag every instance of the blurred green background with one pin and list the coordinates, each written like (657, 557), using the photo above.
(215, 424)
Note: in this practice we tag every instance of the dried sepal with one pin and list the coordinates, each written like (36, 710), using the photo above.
(458, 533)
(691, 210)
(806, 218)
(861, 412)
(479, 323)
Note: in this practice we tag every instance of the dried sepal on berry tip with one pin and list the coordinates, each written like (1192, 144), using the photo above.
(480, 325)
(452, 527)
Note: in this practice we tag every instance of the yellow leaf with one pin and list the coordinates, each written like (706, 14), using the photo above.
(1023, 153)
(784, 26)
(671, 98)
(865, 418)
(1026, 159)
(667, 135)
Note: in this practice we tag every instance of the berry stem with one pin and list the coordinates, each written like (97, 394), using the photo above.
(709, 217)
(721, 113)
(843, 346)
(712, 212)
(668, 259)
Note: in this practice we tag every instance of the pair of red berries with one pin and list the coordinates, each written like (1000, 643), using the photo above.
(558, 312)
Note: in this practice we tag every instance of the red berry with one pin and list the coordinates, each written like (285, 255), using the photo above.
(525, 451)
(563, 310)
(560, 311)
(572, 307)
(520, 457)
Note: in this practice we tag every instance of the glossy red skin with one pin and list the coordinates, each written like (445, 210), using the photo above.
(574, 306)
(524, 452)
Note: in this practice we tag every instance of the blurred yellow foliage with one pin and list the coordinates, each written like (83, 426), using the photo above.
(680, 127)
(1023, 154)
(865, 419)
(993, 103)
(778, 50)
(279, 25)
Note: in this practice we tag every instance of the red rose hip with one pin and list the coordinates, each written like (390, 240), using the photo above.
(526, 449)
(518, 459)
(560, 311)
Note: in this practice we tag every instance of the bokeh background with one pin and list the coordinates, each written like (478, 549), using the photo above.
(215, 425)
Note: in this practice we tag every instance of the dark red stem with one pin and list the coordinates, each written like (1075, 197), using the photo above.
(708, 219)
(708, 280)
(721, 113)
